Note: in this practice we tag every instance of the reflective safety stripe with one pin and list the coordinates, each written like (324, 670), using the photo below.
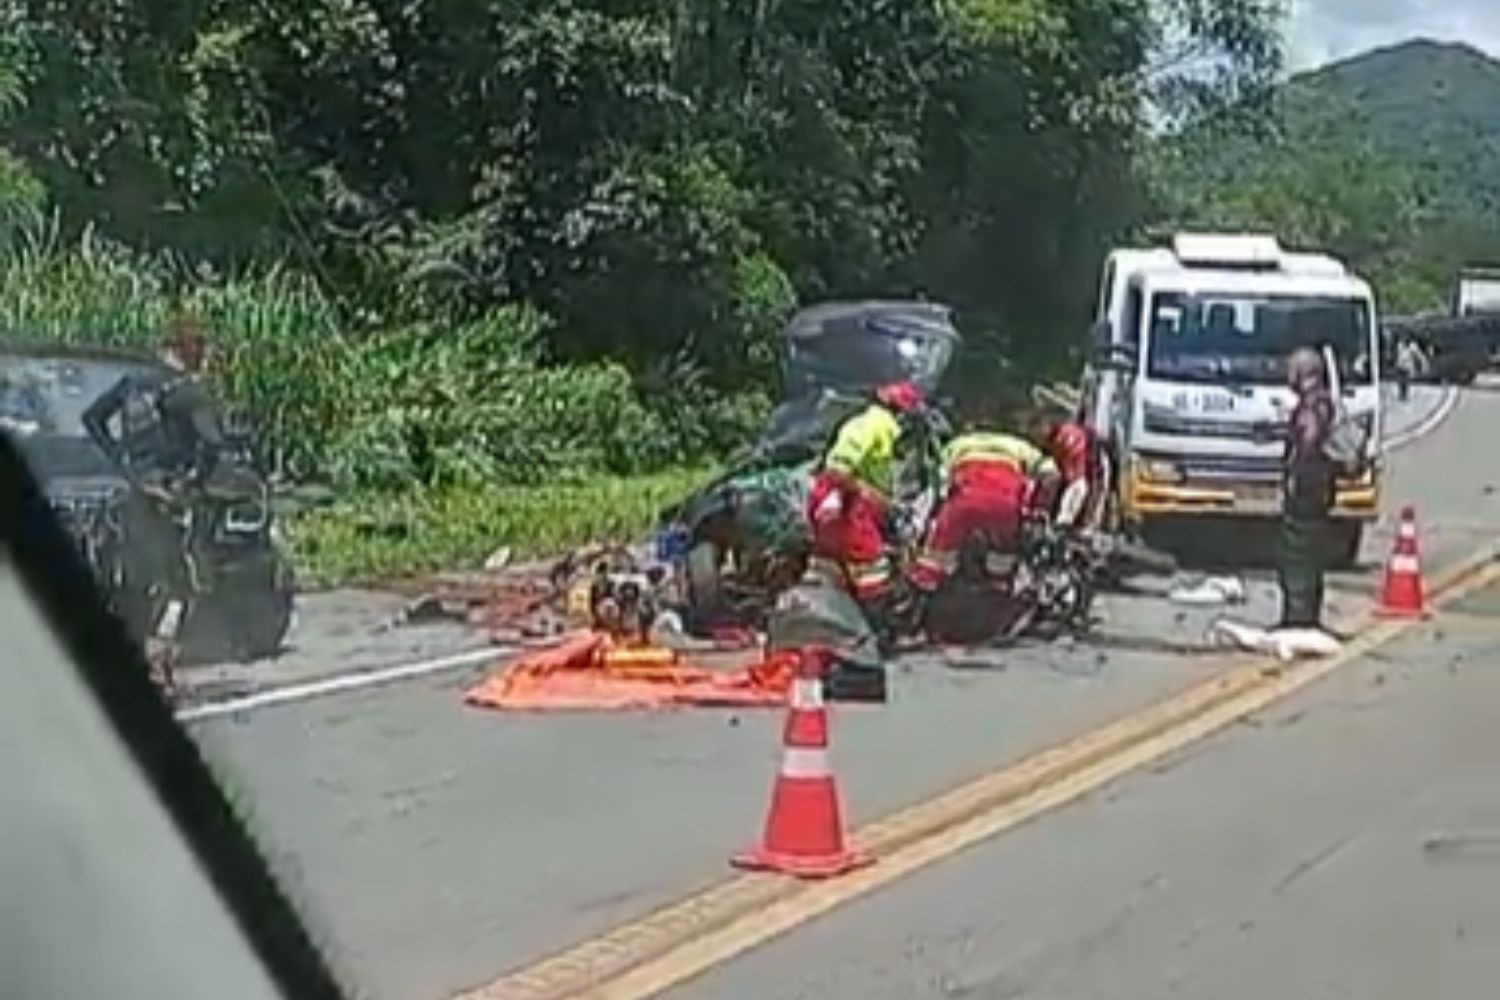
(1407, 565)
(870, 573)
(799, 763)
(992, 447)
(807, 693)
(943, 562)
(1407, 530)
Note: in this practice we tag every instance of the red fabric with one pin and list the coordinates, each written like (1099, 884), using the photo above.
(1045, 495)
(857, 535)
(1075, 449)
(576, 676)
(1072, 448)
(986, 497)
(903, 397)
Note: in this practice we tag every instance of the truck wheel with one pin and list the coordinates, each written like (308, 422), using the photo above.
(1346, 539)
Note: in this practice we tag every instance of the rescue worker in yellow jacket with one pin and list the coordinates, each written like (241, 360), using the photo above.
(991, 480)
(849, 505)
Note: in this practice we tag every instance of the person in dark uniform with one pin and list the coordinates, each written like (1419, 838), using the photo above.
(170, 427)
(1309, 492)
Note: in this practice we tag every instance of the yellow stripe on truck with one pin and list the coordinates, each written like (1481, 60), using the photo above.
(1144, 497)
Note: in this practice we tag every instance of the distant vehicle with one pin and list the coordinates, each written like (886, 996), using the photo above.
(1187, 378)
(44, 392)
(1477, 292)
(1458, 348)
(1476, 295)
(743, 538)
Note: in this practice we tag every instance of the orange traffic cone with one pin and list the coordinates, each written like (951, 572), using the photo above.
(804, 833)
(1402, 595)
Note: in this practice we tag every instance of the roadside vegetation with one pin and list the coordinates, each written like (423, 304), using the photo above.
(509, 272)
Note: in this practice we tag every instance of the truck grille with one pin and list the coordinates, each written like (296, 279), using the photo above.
(1213, 469)
(1233, 430)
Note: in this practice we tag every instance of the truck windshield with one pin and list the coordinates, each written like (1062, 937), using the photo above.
(1246, 339)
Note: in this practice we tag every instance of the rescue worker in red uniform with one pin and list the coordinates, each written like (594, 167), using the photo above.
(849, 505)
(1075, 449)
(991, 481)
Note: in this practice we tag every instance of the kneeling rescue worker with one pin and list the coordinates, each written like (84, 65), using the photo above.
(1076, 451)
(849, 505)
(991, 480)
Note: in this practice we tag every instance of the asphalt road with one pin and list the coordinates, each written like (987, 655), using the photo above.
(1343, 845)
(434, 846)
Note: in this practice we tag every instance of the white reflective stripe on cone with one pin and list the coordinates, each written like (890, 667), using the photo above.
(1408, 530)
(1406, 565)
(800, 763)
(807, 692)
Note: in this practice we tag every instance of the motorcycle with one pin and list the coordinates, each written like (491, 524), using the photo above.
(1043, 589)
(225, 581)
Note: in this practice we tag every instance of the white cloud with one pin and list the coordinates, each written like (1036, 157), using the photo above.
(1323, 30)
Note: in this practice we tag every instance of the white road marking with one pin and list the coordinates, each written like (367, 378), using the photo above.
(341, 684)
(1432, 422)
(344, 683)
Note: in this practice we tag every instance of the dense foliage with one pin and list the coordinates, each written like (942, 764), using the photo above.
(448, 240)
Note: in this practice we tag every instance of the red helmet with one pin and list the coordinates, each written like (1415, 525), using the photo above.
(903, 397)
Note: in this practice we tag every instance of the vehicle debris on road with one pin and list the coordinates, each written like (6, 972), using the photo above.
(1209, 591)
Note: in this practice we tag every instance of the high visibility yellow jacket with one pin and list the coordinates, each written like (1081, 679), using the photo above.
(864, 449)
(988, 446)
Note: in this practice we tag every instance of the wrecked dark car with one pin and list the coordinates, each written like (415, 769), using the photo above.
(743, 540)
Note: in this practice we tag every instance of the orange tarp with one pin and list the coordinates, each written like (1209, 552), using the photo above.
(588, 673)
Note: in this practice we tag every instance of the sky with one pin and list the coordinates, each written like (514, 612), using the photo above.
(1326, 30)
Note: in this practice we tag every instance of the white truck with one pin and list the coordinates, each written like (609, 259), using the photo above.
(1186, 382)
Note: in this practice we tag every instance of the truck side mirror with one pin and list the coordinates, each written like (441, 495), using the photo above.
(1109, 355)
(1117, 358)
(1100, 336)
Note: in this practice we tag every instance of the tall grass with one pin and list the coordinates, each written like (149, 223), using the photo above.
(460, 431)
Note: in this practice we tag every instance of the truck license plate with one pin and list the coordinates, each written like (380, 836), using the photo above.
(1259, 497)
(1216, 403)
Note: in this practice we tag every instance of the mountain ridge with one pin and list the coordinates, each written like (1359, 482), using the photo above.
(1433, 107)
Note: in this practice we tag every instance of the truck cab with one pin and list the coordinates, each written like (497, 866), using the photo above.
(1187, 385)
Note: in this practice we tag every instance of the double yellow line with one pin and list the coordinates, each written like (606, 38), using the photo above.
(687, 938)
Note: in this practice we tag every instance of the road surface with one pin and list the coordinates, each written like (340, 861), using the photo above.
(1343, 845)
(434, 846)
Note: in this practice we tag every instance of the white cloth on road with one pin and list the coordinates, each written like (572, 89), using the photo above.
(1286, 644)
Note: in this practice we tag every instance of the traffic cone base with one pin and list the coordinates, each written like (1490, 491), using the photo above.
(1397, 614)
(761, 860)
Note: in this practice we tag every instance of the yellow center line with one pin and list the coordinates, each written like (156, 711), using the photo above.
(683, 940)
(1464, 621)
